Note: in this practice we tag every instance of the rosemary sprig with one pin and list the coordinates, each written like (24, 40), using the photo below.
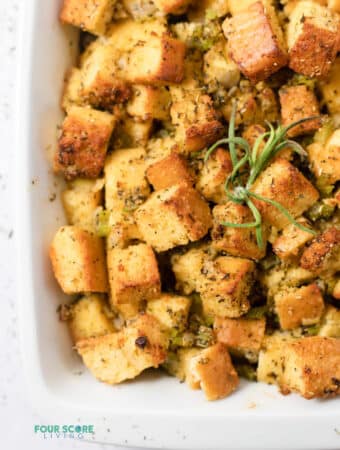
(274, 140)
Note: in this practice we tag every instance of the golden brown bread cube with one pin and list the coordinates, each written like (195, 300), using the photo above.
(90, 15)
(83, 143)
(78, 261)
(149, 102)
(219, 69)
(169, 171)
(313, 38)
(170, 310)
(236, 241)
(255, 41)
(195, 119)
(242, 336)
(210, 369)
(330, 324)
(312, 367)
(90, 316)
(236, 6)
(72, 90)
(323, 255)
(173, 216)
(172, 6)
(291, 241)
(299, 306)
(285, 184)
(330, 88)
(212, 176)
(133, 274)
(325, 159)
(132, 132)
(299, 102)
(81, 200)
(123, 355)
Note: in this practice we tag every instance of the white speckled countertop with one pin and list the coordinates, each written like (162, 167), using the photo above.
(17, 419)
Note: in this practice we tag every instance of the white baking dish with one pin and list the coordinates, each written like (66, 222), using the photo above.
(153, 411)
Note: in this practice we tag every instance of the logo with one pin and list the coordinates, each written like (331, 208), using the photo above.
(66, 431)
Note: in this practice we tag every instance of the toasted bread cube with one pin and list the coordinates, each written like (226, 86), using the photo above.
(218, 68)
(133, 274)
(212, 371)
(124, 355)
(225, 286)
(181, 368)
(289, 244)
(172, 6)
(195, 119)
(299, 102)
(78, 261)
(90, 15)
(173, 216)
(81, 201)
(301, 306)
(126, 186)
(255, 41)
(312, 37)
(325, 159)
(211, 178)
(133, 132)
(236, 6)
(208, 10)
(330, 89)
(90, 316)
(72, 90)
(330, 324)
(83, 143)
(169, 171)
(285, 184)
(271, 357)
(149, 102)
(323, 255)
(236, 241)
(171, 310)
(140, 9)
(312, 367)
(242, 336)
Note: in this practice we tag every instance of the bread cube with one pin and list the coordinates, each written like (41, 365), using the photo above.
(236, 241)
(90, 316)
(299, 102)
(149, 102)
(325, 159)
(283, 183)
(133, 274)
(173, 216)
(181, 368)
(323, 255)
(169, 171)
(140, 9)
(255, 41)
(218, 68)
(208, 10)
(242, 336)
(301, 306)
(90, 15)
(83, 143)
(330, 324)
(72, 90)
(211, 178)
(126, 186)
(170, 310)
(195, 119)
(291, 241)
(131, 132)
(312, 37)
(160, 148)
(312, 367)
(330, 87)
(78, 261)
(252, 132)
(236, 6)
(336, 290)
(121, 356)
(172, 6)
(81, 201)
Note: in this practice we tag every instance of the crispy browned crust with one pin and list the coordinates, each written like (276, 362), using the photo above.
(246, 334)
(299, 307)
(82, 147)
(312, 367)
(169, 171)
(299, 102)
(253, 45)
(201, 135)
(284, 183)
(314, 51)
(235, 241)
(322, 248)
(193, 211)
(105, 94)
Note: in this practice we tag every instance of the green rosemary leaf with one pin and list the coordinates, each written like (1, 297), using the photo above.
(240, 225)
(231, 134)
(258, 221)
